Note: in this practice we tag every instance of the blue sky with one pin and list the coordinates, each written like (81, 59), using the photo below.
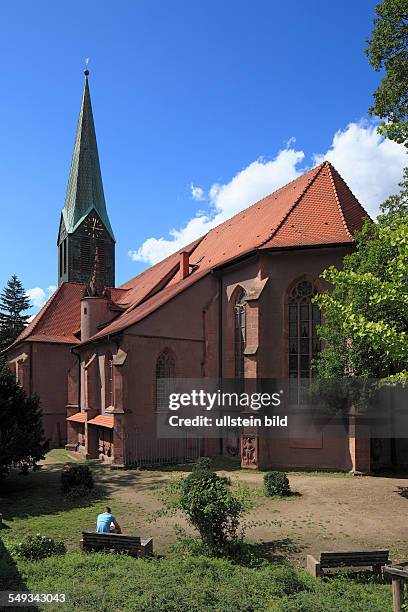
(185, 93)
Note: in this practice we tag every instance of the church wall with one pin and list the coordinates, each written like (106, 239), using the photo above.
(278, 270)
(44, 371)
(187, 326)
(51, 363)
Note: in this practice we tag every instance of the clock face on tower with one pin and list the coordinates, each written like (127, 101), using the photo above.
(93, 227)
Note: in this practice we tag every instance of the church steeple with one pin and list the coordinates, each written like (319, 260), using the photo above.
(85, 224)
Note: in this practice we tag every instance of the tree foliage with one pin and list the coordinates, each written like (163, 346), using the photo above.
(13, 303)
(365, 328)
(388, 50)
(21, 433)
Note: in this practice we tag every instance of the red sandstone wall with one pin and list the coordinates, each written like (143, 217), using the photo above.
(45, 373)
(270, 360)
(187, 326)
(51, 363)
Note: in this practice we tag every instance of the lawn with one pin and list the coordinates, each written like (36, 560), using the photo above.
(326, 514)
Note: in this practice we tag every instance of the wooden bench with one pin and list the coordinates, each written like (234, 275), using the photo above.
(117, 542)
(399, 577)
(328, 560)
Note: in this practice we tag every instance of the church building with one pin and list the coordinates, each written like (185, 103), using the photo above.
(236, 302)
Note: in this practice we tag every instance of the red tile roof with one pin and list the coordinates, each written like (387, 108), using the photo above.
(327, 213)
(78, 417)
(315, 209)
(102, 421)
(59, 319)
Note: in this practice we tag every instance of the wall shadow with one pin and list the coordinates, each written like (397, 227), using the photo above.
(10, 577)
(39, 494)
(277, 551)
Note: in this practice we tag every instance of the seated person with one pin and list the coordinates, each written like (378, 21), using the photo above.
(104, 522)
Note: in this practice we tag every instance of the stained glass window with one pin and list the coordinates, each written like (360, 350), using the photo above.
(304, 343)
(165, 369)
(239, 334)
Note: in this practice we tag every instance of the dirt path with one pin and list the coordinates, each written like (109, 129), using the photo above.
(329, 512)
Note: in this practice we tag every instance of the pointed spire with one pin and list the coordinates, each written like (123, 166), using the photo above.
(85, 188)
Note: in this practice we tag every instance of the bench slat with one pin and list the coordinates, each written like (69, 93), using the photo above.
(132, 545)
(92, 536)
(356, 558)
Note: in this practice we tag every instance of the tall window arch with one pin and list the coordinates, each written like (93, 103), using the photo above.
(239, 334)
(165, 373)
(109, 380)
(304, 318)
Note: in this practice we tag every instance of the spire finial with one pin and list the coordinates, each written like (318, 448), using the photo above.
(86, 71)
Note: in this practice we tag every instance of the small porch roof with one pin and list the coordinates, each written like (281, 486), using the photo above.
(102, 421)
(78, 417)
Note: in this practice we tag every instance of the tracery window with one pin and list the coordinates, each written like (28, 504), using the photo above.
(304, 319)
(239, 334)
(109, 395)
(165, 369)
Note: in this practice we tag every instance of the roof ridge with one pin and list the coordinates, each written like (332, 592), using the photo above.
(297, 200)
(336, 195)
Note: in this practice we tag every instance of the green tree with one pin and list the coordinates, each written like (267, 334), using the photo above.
(21, 434)
(365, 328)
(388, 50)
(13, 303)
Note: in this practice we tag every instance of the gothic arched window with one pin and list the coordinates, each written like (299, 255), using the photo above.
(239, 334)
(165, 373)
(109, 380)
(304, 318)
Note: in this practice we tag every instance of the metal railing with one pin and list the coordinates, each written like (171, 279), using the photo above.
(142, 451)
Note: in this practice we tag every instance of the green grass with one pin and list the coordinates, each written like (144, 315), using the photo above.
(60, 455)
(106, 582)
(179, 583)
(34, 504)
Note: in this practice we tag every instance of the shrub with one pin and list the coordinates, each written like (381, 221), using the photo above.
(39, 547)
(76, 477)
(276, 483)
(211, 508)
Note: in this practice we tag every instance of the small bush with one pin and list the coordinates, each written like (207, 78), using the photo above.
(38, 547)
(76, 477)
(276, 483)
(212, 508)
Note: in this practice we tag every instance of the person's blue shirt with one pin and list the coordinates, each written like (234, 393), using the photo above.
(104, 521)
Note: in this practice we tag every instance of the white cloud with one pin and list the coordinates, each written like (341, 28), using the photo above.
(197, 193)
(371, 165)
(255, 181)
(39, 296)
